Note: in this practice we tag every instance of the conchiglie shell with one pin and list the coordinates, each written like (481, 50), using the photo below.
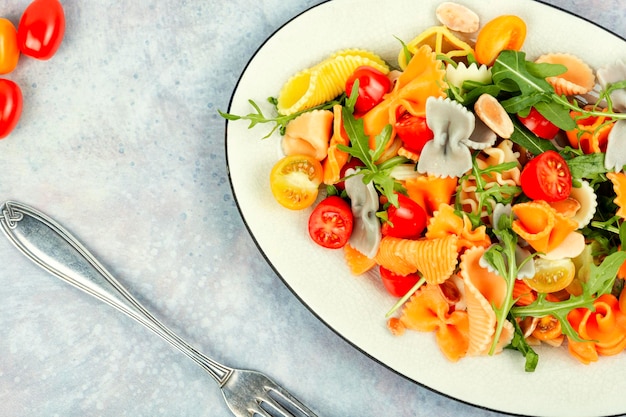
(325, 81)
(483, 289)
(435, 259)
(578, 79)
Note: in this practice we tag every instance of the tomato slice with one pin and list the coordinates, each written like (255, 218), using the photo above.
(331, 222)
(406, 221)
(373, 85)
(551, 275)
(539, 125)
(295, 181)
(413, 131)
(547, 177)
(397, 285)
(506, 32)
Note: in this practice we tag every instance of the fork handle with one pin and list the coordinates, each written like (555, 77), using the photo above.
(54, 249)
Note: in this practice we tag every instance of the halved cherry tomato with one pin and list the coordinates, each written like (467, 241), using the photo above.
(9, 52)
(397, 285)
(406, 221)
(373, 85)
(413, 131)
(41, 29)
(551, 275)
(547, 177)
(11, 103)
(330, 223)
(295, 181)
(506, 32)
(539, 125)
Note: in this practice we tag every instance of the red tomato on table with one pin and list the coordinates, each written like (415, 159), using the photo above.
(11, 103)
(331, 222)
(41, 29)
(547, 177)
(373, 85)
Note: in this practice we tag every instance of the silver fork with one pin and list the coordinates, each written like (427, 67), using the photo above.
(48, 244)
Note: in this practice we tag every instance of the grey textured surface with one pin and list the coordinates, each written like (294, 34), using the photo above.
(120, 140)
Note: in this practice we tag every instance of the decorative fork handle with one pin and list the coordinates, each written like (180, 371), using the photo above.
(54, 249)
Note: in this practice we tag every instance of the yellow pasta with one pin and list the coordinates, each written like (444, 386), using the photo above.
(324, 81)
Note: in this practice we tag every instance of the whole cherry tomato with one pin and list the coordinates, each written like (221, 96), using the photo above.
(547, 177)
(41, 29)
(331, 222)
(373, 85)
(9, 52)
(406, 221)
(413, 131)
(398, 285)
(11, 102)
(539, 125)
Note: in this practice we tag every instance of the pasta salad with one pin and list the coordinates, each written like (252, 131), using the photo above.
(485, 186)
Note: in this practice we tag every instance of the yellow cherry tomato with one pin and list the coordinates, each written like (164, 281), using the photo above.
(506, 32)
(551, 275)
(9, 51)
(295, 181)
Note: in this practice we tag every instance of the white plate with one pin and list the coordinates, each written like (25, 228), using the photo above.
(355, 307)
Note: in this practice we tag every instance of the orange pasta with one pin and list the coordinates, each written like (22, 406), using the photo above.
(541, 226)
(357, 262)
(435, 259)
(428, 311)
(591, 133)
(604, 328)
(335, 159)
(445, 222)
(619, 186)
(430, 191)
(423, 77)
(483, 291)
(523, 293)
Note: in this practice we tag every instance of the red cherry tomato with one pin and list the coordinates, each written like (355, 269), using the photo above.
(11, 102)
(41, 29)
(413, 131)
(373, 85)
(406, 221)
(539, 125)
(547, 177)
(330, 223)
(398, 285)
(352, 163)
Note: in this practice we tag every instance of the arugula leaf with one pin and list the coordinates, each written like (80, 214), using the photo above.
(519, 343)
(528, 140)
(587, 166)
(511, 68)
(378, 174)
(280, 121)
(501, 256)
